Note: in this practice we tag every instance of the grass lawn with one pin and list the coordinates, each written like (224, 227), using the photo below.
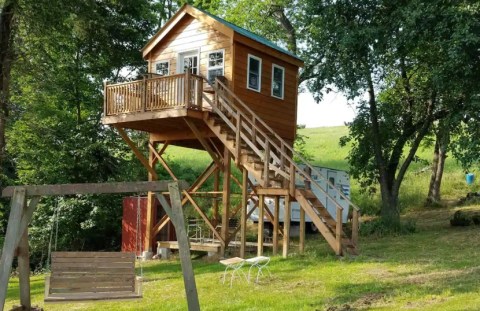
(436, 268)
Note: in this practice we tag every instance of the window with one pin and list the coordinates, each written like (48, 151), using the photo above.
(254, 73)
(162, 68)
(215, 65)
(278, 75)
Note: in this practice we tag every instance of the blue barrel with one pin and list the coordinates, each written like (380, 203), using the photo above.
(470, 177)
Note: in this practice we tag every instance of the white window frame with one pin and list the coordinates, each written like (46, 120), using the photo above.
(250, 56)
(215, 67)
(283, 80)
(159, 62)
(182, 53)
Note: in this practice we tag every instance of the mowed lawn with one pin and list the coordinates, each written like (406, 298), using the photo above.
(436, 268)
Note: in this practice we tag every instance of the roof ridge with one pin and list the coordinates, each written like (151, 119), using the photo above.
(249, 33)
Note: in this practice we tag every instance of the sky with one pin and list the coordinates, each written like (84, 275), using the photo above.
(333, 110)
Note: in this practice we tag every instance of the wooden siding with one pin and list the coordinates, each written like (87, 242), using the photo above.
(191, 34)
(280, 114)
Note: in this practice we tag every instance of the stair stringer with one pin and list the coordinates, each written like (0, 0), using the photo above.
(322, 227)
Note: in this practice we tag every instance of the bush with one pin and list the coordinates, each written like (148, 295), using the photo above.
(460, 219)
(378, 227)
(476, 219)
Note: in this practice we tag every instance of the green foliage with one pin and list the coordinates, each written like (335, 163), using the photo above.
(379, 228)
(460, 219)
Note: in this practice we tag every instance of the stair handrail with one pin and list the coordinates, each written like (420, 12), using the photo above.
(294, 153)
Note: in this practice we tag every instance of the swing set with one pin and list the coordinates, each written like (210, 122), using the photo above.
(94, 275)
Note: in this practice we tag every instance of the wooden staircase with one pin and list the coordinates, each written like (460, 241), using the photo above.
(266, 156)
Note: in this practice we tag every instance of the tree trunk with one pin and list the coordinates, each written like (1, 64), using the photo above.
(6, 55)
(438, 164)
(389, 211)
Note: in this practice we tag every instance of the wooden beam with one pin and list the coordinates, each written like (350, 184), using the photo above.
(205, 218)
(115, 187)
(226, 198)
(286, 226)
(261, 208)
(149, 237)
(202, 141)
(23, 259)
(159, 158)
(338, 231)
(8, 252)
(137, 152)
(276, 225)
(243, 216)
(216, 187)
(176, 214)
(160, 224)
(271, 191)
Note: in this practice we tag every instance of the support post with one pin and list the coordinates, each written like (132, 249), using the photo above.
(150, 206)
(301, 244)
(226, 199)
(243, 217)
(338, 231)
(276, 225)
(216, 187)
(261, 206)
(24, 270)
(355, 219)
(13, 227)
(175, 212)
(286, 226)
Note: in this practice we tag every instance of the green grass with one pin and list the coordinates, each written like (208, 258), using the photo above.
(433, 269)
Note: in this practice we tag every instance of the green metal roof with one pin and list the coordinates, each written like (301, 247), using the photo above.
(250, 35)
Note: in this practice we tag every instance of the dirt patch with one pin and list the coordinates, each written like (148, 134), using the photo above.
(362, 303)
(340, 308)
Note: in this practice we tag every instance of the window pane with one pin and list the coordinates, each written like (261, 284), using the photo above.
(215, 59)
(213, 73)
(254, 72)
(277, 82)
(161, 68)
(254, 65)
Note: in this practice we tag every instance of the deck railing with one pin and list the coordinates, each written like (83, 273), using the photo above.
(153, 94)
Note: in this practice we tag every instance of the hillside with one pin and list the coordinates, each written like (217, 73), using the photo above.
(323, 145)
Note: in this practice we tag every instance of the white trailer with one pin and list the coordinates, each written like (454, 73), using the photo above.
(339, 178)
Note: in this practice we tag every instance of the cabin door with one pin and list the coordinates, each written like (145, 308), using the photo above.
(187, 61)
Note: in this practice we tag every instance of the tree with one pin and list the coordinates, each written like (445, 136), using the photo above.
(416, 62)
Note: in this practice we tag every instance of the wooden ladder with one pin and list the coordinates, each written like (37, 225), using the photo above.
(266, 156)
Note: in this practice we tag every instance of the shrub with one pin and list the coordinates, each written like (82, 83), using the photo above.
(460, 219)
(476, 219)
(378, 227)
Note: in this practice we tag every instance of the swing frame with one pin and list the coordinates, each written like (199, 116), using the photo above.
(16, 237)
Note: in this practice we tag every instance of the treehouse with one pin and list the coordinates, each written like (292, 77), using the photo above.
(214, 86)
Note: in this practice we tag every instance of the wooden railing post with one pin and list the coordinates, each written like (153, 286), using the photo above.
(187, 88)
(338, 230)
(199, 93)
(292, 179)
(266, 163)
(237, 139)
(105, 98)
(144, 94)
(355, 227)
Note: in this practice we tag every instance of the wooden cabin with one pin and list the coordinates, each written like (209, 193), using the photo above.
(214, 86)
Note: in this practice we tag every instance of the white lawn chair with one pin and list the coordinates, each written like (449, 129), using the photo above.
(235, 264)
(259, 262)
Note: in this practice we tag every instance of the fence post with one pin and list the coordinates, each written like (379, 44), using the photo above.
(355, 219)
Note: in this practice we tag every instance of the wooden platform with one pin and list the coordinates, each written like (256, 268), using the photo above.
(209, 246)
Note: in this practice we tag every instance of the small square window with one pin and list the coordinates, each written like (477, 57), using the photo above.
(162, 68)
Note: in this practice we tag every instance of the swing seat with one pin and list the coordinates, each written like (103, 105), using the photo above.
(81, 276)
